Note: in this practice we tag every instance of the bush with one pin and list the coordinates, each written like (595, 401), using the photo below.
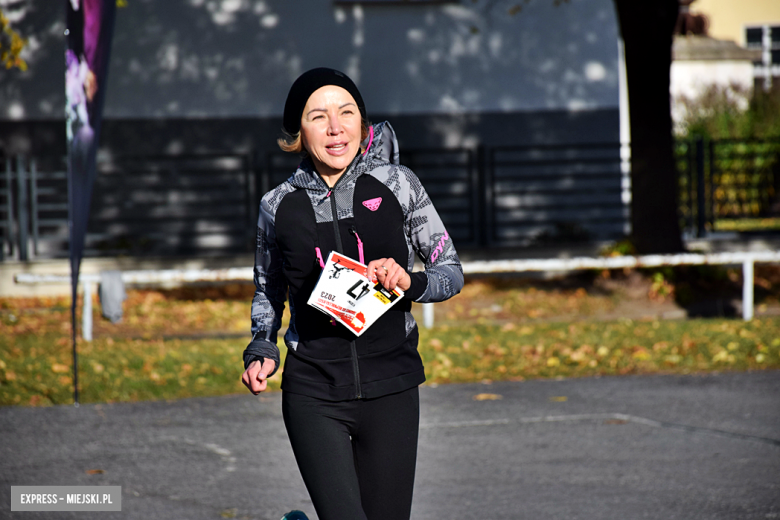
(729, 113)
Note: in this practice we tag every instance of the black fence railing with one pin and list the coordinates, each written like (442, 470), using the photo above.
(727, 180)
(554, 193)
(141, 206)
(487, 197)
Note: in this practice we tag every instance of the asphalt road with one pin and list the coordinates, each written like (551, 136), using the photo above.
(644, 447)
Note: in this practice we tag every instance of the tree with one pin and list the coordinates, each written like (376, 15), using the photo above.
(647, 29)
(11, 45)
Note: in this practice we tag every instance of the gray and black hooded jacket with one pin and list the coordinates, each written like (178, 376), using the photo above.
(381, 204)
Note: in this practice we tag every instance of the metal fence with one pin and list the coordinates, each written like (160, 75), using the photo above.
(487, 196)
(33, 207)
(207, 204)
(727, 179)
(554, 193)
(141, 206)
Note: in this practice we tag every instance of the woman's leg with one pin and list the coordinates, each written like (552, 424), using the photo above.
(357, 458)
(319, 433)
(385, 445)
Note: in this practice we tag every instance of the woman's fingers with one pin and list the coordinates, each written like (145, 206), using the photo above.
(247, 375)
(255, 377)
(398, 277)
(375, 272)
(389, 273)
(393, 275)
(265, 369)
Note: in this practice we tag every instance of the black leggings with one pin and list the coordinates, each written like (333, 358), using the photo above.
(357, 458)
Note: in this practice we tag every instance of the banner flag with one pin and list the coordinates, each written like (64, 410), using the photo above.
(90, 26)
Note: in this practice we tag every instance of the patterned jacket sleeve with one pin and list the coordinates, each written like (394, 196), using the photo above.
(443, 275)
(270, 292)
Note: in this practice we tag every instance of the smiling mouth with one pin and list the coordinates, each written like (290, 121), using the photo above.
(338, 147)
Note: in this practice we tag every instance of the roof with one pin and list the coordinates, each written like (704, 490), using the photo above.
(704, 48)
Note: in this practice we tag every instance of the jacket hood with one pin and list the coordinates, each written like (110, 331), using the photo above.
(381, 146)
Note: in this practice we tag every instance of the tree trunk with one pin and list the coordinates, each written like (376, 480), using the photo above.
(647, 29)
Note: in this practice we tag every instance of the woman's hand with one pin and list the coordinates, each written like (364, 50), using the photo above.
(255, 377)
(390, 274)
(90, 85)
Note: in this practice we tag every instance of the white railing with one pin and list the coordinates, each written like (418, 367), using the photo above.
(746, 259)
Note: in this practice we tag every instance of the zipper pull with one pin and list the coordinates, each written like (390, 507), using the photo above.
(353, 230)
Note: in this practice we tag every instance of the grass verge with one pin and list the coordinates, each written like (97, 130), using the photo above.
(35, 368)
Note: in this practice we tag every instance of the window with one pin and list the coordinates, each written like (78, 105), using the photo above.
(765, 38)
(774, 35)
(754, 37)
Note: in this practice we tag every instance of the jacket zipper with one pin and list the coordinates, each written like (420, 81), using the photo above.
(340, 249)
(334, 210)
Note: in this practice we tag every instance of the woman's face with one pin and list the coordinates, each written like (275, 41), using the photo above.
(330, 130)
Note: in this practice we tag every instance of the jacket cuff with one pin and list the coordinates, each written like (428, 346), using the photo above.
(419, 285)
(261, 349)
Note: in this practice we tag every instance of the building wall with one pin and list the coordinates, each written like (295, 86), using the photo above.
(690, 79)
(728, 18)
(211, 76)
(233, 61)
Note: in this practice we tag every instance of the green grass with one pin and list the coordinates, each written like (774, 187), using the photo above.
(35, 368)
(33, 372)
(599, 348)
(748, 224)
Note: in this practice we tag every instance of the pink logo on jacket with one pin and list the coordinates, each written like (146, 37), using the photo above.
(439, 247)
(373, 204)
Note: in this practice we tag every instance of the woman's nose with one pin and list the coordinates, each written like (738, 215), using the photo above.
(334, 126)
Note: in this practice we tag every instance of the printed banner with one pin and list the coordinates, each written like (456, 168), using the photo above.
(345, 294)
(90, 25)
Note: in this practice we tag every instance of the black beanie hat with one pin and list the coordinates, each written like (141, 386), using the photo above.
(303, 88)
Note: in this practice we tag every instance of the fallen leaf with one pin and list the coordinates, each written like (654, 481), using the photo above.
(94, 472)
(487, 397)
(559, 398)
(673, 359)
(57, 368)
